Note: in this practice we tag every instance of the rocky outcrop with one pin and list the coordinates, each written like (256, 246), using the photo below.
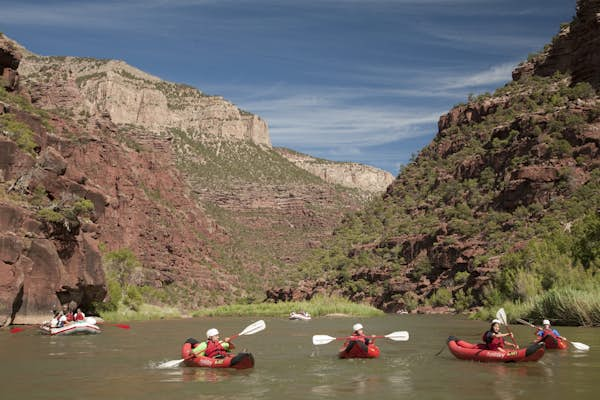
(351, 175)
(10, 57)
(94, 89)
(575, 50)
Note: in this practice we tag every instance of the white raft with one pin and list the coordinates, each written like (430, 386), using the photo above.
(74, 328)
(300, 316)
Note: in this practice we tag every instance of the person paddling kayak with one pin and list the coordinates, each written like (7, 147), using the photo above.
(548, 330)
(550, 335)
(213, 347)
(358, 338)
(494, 339)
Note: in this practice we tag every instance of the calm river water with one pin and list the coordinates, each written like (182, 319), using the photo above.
(122, 364)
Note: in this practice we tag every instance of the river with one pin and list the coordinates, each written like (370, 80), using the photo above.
(124, 364)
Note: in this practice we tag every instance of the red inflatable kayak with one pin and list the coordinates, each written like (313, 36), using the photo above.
(359, 350)
(478, 352)
(552, 342)
(237, 361)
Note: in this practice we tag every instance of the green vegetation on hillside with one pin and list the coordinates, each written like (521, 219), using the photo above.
(216, 162)
(128, 296)
(260, 199)
(439, 198)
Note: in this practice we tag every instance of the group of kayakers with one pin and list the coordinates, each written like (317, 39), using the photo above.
(213, 347)
(494, 339)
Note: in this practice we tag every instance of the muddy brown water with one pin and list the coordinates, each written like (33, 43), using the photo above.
(124, 364)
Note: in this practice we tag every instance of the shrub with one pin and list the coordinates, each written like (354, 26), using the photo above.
(461, 277)
(19, 132)
(463, 300)
(441, 297)
(49, 215)
(83, 207)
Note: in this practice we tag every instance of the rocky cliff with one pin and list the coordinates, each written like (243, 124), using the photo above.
(352, 175)
(504, 172)
(92, 88)
(101, 162)
(574, 50)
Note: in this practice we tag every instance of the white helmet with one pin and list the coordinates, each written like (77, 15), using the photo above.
(496, 321)
(357, 327)
(545, 322)
(212, 332)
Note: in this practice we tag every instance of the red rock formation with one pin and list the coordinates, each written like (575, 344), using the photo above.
(10, 58)
(576, 49)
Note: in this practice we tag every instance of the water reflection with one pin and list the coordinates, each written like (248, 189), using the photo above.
(205, 375)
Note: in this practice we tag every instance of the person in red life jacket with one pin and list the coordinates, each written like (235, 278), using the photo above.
(548, 331)
(79, 316)
(494, 339)
(358, 338)
(213, 347)
(68, 313)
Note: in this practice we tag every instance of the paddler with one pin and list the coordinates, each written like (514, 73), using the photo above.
(494, 339)
(547, 330)
(358, 338)
(213, 347)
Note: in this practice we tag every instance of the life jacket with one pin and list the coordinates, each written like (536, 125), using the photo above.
(357, 338)
(214, 349)
(549, 332)
(549, 338)
(70, 316)
(495, 343)
(79, 316)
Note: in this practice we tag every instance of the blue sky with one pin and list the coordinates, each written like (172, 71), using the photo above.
(346, 80)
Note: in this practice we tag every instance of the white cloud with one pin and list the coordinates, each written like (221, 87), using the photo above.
(496, 74)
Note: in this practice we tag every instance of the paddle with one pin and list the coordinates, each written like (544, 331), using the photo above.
(18, 329)
(93, 321)
(396, 336)
(249, 330)
(577, 345)
(501, 315)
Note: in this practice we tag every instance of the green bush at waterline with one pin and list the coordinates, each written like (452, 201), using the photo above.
(318, 306)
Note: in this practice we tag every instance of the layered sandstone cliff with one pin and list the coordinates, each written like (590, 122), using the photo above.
(352, 175)
(91, 88)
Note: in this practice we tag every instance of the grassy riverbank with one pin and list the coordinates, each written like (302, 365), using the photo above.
(318, 306)
(564, 306)
(145, 312)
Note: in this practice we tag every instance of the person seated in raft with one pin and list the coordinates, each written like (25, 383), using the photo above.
(213, 347)
(79, 316)
(548, 330)
(59, 320)
(68, 313)
(494, 339)
(358, 338)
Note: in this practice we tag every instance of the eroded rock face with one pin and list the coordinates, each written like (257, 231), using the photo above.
(10, 57)
(576, 49)
(351, 175)
(33, 272)
(97, 89)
